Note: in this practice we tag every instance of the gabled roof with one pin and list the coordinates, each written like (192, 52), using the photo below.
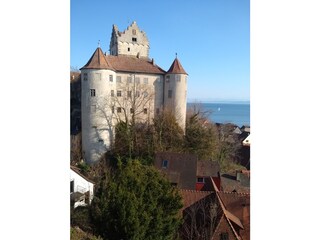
(98, 61)
(176, 67)
(189, 197)
(207, 168)
(181, 167)
(246, 141)
(123, 63)
(77, 170)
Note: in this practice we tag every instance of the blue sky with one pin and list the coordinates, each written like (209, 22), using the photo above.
(211, 38)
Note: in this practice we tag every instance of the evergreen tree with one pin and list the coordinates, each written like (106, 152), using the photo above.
(135, 202)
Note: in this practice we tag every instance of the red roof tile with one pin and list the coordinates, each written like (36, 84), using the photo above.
(190, 197)
(133, 64)
(176, 67)
(98, 61)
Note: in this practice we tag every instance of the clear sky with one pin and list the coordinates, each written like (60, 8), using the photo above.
(211, 38)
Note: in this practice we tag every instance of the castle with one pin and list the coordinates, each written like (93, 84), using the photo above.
(124, 85)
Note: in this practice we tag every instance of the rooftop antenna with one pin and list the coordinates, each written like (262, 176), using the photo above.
(176, 55)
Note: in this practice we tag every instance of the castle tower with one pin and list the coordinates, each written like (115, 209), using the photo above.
(97, 82)
(175, 92)
(131, 42)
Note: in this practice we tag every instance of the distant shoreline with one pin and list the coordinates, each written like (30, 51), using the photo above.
(218, 102)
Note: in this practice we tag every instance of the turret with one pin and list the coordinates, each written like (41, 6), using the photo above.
(97, 81)
(132, 42)
(175, 92)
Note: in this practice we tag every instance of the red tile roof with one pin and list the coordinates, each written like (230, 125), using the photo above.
(189, 197)
(176, 67)
(207, 168)
(239, 205)
(133, 64)
(98, 61)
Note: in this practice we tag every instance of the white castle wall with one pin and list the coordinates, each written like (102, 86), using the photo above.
(177, 102)
(124, 43)
(97, 122)
(148, 89)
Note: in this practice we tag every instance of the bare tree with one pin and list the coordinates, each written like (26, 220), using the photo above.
(76, 148)
(201, 219)
(123, 109)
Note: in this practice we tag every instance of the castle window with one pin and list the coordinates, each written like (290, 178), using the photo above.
(178, 78)
(129, 79)
(165, 163)
(137, 80)
(128, 49)
(119, 79)
(145, 111)
(145, 94)
(131, 110)
(169, 93)
(167, 78)
(112, 109)
(93, 108)
(118, 93)
(112, 93)
(100, 141)
(110, 78)
(92, 92)
(137, 94)
(119, 109)
(85, 76)
(129, 94)
(72, 186)
(145, 80)
(134, 32)
(98, 76)
(134, 39)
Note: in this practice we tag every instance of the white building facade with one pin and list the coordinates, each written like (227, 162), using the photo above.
(81, 188)
(126, 83)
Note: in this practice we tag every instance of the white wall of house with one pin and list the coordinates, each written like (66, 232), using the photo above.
(81, 185)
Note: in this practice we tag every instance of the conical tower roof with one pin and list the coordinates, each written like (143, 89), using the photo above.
(176, 67)
(98, 61)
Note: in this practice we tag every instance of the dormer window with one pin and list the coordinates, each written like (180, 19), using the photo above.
(165, 164)
(200, 180)
(134, 39)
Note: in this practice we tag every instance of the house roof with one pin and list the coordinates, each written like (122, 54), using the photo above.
(123, 63)
(190, 197)
(176, 67)
(98, 61)
(77, 170)
(229, 183)
(180, 166)
(239, 205)
(206, 168)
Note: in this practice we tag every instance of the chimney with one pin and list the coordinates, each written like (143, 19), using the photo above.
(152, 61)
